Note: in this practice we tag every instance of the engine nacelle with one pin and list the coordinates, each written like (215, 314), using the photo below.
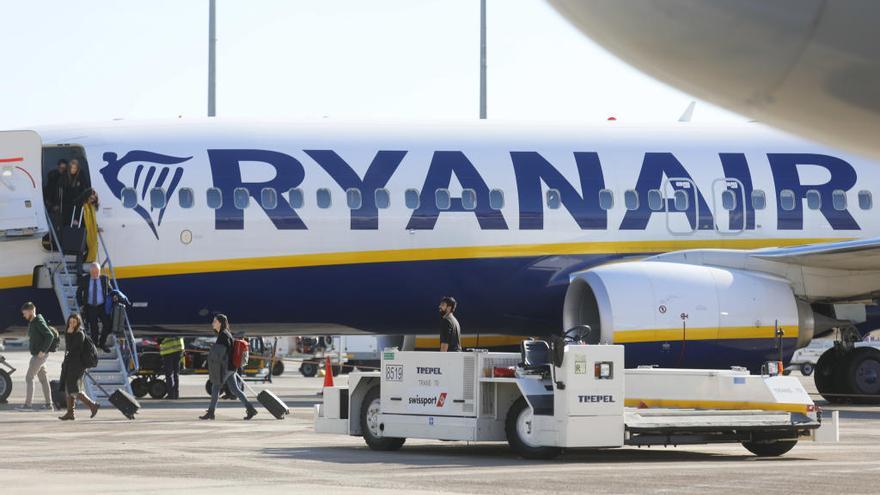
(655, 301)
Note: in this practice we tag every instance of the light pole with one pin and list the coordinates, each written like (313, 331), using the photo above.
(212, 58)
(482, 59)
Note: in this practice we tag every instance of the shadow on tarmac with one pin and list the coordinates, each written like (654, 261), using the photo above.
(499, 454)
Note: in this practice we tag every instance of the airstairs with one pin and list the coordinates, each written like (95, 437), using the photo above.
(114, 367)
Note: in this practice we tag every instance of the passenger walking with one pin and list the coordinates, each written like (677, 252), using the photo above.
(73, 369)
(171, 350)
(450, 331)
(93, 294)
(54, 192)
(43, 339)
(221, 370)
(89, 203)
(74, 184)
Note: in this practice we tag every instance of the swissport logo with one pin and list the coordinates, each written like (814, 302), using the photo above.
(437, 400)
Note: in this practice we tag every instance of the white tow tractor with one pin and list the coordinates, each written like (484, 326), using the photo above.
(542, 401)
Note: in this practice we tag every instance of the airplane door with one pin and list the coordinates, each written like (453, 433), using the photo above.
(729, 206)
(681, 204)
(22, 213)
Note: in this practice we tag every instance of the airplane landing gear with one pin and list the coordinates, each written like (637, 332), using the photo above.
(847, 373)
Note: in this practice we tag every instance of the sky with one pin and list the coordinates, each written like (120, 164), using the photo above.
(97, 60)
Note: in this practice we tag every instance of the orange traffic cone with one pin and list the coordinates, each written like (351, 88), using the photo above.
(328, 373)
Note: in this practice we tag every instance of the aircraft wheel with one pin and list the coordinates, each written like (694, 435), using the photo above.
(278, 368)
(520, 435)
(372, 428)
(308, 370)
(158, 389)
(826, 376)
(769, 448)
(5, 385)
(140, 387)
(863, 375)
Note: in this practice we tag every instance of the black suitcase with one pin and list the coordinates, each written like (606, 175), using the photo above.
(121, 400)
(59, 396)
(271, 402)
(73, 236)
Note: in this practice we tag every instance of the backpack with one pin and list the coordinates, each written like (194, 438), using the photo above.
(89, 353)
(240, 353)
(56, 339)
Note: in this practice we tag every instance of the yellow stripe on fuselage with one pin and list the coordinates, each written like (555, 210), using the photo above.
(430, 254)
(715, 404)
(708, 333)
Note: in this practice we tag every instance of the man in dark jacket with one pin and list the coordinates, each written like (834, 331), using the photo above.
(92, 294)
(41, 338)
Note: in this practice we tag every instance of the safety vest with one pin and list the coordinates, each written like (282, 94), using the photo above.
(170, 346)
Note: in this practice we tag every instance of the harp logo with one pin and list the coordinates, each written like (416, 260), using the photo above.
(149, 170)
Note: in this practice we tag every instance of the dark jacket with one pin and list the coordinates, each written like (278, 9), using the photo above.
(52, 193)
(82, 292)
(72, 189)
(39, 335)
(220, 357)
(72, 365)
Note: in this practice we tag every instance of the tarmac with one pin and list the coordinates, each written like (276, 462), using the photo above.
(168, 450)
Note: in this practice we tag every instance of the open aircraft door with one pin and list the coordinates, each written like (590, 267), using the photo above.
(21, 186)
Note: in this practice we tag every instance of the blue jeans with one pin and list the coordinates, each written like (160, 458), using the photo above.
(233, 386)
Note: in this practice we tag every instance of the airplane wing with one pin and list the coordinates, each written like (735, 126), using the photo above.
(862, 254)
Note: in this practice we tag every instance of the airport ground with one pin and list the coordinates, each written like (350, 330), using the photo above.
(168, 450)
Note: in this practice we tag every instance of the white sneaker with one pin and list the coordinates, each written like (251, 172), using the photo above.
(24, 407)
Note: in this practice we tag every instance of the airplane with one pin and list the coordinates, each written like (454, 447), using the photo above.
(809, 67)
(693, 245)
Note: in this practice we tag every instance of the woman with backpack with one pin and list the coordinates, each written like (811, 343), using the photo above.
(221, 369)
(74, 367)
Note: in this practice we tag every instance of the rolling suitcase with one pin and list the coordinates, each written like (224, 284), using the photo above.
(121, 400)
(271, 402)
(59, 396)
(73, 237)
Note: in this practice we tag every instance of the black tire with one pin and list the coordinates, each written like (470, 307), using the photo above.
(520, 445)
(308, 369)
(140, 387)
(863, 375)
(158, 389)
(5, 385)
(826, 376)
(807, 369)
(278, 368)
(208, 387)
(770, 448)
(374, 441)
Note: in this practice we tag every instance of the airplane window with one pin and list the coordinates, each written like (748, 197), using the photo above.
(157, 198)
(411, 198)
(323, 197)
(353, 198)
(655, 200)
(786, 199)
(631, 199)
(680, 200)
(759, 199)
(186, 198)
(814, 199)
(296, 198)
(268, 198)
(214, 197)
(838, 199)
(469, 199)
(441, 197)
(129, 198)
(553, 199)
(728, 200)
(606, 199)
(241, 197)
(383, 199)
(865, 200)
(496, 199)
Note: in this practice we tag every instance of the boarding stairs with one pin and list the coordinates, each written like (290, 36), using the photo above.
(114, 367)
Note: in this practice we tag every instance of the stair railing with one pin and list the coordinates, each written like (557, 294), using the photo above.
(62, 263)
(128, 347)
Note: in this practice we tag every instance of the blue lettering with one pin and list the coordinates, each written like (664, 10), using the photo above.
(531, 169)
(226, 172)
(736, 166)
(785, 176)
